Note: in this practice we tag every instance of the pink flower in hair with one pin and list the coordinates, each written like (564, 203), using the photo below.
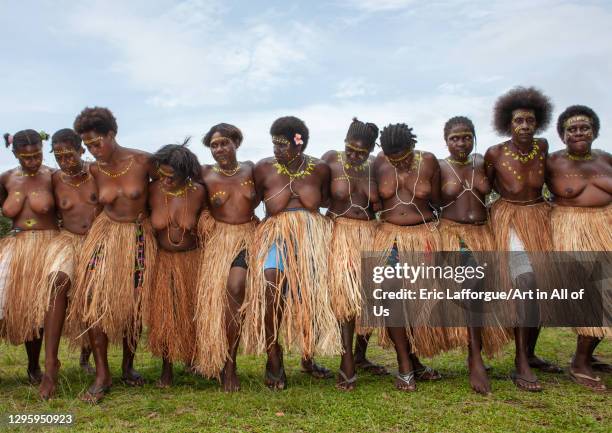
(297, 138)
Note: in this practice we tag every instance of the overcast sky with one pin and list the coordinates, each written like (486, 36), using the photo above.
(170, 69)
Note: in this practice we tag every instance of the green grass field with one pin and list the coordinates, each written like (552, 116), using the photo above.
(309, 405)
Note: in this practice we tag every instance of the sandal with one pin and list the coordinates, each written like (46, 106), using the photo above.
(370, 367)
(95, 394)
(318, 371)
(592, 383)
(599, 365)
(407, 379)
(276, 382)
(523, 384)
(344, 383)
(134, 379)
(544, 365)
(427, 373)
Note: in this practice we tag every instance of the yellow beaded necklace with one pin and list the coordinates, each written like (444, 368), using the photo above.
(300, 174)
(119, 174)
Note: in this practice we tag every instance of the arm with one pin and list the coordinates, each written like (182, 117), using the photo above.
(490, 158)
(325, 184)
(3, 192)
(435, 183)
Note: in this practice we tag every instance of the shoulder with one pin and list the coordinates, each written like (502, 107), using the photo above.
(140, 156)
(494, 151)
(542, 142)
(264, 163)
(205, 169)
(600, 153)
(249, 164)
(427, 156)
(330, 156)
(555, 156)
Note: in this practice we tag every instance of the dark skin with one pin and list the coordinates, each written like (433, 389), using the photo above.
(581, 183)
(524, 187)
(461, 170)
(26, 197)
(124, 199)
(76, 197)
(232, 199)
(309, 192)
(174, 217)
(353, 195)
(424, 181)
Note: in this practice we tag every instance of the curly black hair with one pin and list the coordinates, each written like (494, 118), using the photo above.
(576, 110)
(288, 126)
(66, 135)
(396, 138)
(527, 98)
(226, 130)
(98, 119)
(182, 160)
(458, 120)
(361, 131)
(26, 137)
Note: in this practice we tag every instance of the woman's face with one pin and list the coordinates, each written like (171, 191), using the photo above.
(285, 151)
(223, 149)
(68, 158)
(460, 141)
(169, 178)
(578, 134)
(30, 157)
(356, 152)
(524, 124)
(101, 146)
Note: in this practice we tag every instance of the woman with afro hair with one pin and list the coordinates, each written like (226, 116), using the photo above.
(175, 200)
(408, 183)
(118, 254)
(353, 203)
(288, 283)
(580, 179)
(464, 226)
(26, 197)
(521, 218)
(227, 234)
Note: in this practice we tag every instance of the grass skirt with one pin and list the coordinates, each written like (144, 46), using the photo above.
(25, 299)
(584, 229)
(62, 255)
(475, 238)
(117, 259)
(349, 238)
(308, 321)
(222, 243)
(171, 304)
(424, 340)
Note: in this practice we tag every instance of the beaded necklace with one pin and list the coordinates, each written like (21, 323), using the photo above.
(119, 174)
(301, 173)
(229, 173)
(586, 157)
(347, 165)
(523, 158)
(180, 193)
(75, 185)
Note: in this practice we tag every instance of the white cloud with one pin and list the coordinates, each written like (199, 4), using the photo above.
(380, 5)
(353, 87)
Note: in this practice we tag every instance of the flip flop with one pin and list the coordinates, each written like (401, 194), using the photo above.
(135, 380)
(427, 374)
(520, 382)
(276, 382)
(408, 379)
(592, 383)
(95, 394)
(544, 365)
(318, 372)
(370, 367)
(346, 384)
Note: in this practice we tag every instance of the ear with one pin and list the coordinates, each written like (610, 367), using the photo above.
(111, 134)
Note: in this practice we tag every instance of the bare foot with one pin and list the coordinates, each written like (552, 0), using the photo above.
(96, 392)
(229, 379)
(48, 383)
(479, 381)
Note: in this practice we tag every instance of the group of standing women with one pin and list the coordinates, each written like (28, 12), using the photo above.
(97, 249)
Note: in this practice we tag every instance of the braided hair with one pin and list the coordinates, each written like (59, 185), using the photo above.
(26, 137)
(397, 138)
(361, 131)
(182, 160)
(458, 120)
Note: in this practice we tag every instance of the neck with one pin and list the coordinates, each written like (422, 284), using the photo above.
(178, 188)
(523, 144)
(459, 158)
(229, 165)
(296, 162)
(77, 171)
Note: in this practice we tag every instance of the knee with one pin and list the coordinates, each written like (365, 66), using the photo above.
(235, 291)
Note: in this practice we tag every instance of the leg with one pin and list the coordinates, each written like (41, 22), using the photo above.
(597, 363)
(129, 376)
(103, 380)
(581, 370)
(346, 375)
(54, 322)
(361, 361)
(166, 378)
(275, 372)
(535, 361)
(236, 283)
(84, 361)
(33, 350)
(405, 380)
(309, 366)
(478, 374)
(523, 377)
